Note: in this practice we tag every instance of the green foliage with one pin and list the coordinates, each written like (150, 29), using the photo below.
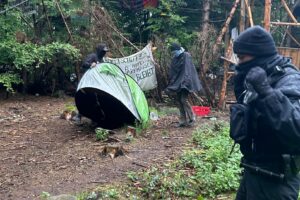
(216, 171)
(205, 171)
(10, 24)
(57, 50)
(22, 55)
(164, 18)
(111, 194)
(164, 111)
(70, 107)
(133, 176)
(16, 57)
(167, 23)
(27, 54)
(140, 127)
(85, 196)
(100, 194)
(8, 80)
(101, 134)
(45, 195)
(69, 7)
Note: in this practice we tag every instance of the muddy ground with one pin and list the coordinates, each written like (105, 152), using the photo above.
(41, 152)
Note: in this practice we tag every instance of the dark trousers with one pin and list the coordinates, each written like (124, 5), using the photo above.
(259, 187)
(186, 113)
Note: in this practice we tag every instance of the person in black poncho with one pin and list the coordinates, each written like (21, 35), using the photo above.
(183, 79)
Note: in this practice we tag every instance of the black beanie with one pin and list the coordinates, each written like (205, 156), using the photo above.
(175, 46)
(255, 41)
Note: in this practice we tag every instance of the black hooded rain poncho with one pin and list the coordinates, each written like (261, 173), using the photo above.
(183, 74)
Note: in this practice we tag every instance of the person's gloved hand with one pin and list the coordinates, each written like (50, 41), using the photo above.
(257, 77)
(93, 65)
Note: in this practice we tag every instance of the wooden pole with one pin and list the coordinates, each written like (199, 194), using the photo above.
(225, 27)
(285, 23)
(267, 19)
(249, 13)
(225, 77)
(289, 11)
(242, 17)
(204, 29)
(205, 63)
(293, 38)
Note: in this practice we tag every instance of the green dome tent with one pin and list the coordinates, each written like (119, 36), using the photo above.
(111, 98)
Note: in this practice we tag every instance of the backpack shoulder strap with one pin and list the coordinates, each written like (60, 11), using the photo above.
(281, 71)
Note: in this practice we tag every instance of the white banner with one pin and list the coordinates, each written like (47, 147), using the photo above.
(140, 66)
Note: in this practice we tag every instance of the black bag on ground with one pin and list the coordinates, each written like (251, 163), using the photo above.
(239, 119)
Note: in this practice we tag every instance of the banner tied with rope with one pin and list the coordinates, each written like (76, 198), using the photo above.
(140, 66)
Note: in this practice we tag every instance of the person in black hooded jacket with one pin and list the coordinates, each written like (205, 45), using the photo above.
(183, 79)
(94, 58)
(269, 84)
(91, 61)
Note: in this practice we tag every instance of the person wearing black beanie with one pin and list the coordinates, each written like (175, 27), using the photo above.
(265, 121)
(255, 41)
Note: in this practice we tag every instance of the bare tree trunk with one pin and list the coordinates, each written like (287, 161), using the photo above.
(242, 17)
(204, 64)
(267, 19)
(206, 13)
(25, 80)
(205, 22)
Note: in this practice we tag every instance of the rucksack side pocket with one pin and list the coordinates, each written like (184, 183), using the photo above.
(239, 119)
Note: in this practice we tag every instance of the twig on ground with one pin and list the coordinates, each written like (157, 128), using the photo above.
(139, 164)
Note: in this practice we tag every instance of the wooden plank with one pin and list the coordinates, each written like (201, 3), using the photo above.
(293, 53)
(285, 23)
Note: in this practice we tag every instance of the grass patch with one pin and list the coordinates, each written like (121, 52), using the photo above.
(70, 107)
(205, 171)
(101, 134)
(165, 111)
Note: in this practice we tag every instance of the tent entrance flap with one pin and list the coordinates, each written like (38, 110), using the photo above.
(103, 108)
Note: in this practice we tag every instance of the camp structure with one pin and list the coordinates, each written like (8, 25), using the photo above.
(111, 98)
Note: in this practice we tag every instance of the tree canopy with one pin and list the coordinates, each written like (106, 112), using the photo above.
(35, 35)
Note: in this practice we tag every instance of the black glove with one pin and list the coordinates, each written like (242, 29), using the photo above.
(257, 77)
